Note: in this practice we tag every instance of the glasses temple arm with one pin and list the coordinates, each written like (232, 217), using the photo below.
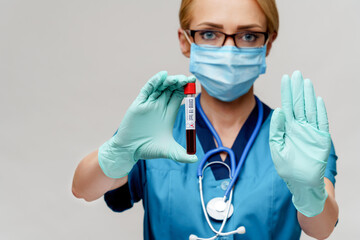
(187, 36)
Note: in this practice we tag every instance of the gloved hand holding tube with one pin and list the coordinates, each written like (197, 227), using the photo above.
(300, 143)
(146, 132)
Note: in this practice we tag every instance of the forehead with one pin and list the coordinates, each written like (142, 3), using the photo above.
(229, 13)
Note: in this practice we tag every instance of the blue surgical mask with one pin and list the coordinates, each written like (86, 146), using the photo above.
(228, 72)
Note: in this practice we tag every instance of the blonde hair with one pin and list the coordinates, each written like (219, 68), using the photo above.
(268, 6)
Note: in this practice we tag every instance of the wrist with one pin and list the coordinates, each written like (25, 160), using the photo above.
(115, 161)
(310, 201)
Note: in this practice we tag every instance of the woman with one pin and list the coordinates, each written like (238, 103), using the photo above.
(286, 183)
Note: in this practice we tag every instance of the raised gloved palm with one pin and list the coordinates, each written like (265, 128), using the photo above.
(300, 143)
(146, 131)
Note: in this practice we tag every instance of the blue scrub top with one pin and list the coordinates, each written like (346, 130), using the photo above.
(170, 190)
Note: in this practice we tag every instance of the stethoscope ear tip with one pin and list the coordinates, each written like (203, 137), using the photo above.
(193, 237)
(241, 230)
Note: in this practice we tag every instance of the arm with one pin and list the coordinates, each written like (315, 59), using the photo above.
(321, 226)
(300, 145)
(90, 182)
(144, 133)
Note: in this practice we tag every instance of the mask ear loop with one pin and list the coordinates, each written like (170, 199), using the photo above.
(267, 41)
(187, 36)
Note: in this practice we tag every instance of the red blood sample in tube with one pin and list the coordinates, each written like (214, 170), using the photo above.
(190, 110)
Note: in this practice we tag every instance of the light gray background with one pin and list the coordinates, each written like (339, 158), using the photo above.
(69, 69)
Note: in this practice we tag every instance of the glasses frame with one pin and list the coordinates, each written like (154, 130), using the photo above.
(193, 32)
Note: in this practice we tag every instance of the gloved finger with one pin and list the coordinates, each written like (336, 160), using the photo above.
(168, 82)
(277, 128)
(191, 79)
(322, 115)
(152, 85)
(182, 81)
(172, 83)
(286, 99)
(310, 103)
(174, 104)
(177, 96)
(178, 153)
(297, 91)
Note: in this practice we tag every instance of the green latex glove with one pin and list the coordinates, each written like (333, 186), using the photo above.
(146, 132)
(300, 143)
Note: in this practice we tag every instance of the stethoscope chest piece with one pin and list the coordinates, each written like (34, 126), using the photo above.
(217, 208)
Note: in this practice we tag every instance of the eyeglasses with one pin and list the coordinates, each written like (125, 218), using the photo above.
(245, 39)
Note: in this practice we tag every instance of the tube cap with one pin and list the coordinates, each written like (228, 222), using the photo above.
(190, 88)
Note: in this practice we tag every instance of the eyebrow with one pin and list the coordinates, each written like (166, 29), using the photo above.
(220, 26)
(210, 24)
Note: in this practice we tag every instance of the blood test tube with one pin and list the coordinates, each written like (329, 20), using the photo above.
(190, 90)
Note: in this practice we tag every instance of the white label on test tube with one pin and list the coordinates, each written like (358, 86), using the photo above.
(190, 113)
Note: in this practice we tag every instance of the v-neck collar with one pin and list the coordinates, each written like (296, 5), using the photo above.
(207, 140)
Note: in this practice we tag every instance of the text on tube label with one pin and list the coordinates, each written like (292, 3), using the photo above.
(190, 113)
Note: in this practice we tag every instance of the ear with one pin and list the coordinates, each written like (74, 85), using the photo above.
(272, 38)
(184, 43)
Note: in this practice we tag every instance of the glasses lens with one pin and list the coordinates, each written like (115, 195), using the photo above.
(249, 39)
(212, 38)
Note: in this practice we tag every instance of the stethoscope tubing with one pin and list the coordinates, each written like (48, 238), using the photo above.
(235, 172)
(215, 151)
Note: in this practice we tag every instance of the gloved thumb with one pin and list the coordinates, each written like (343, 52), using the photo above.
(277, 128)
(178, 153)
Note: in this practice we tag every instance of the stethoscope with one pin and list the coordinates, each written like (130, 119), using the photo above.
(221, 208)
